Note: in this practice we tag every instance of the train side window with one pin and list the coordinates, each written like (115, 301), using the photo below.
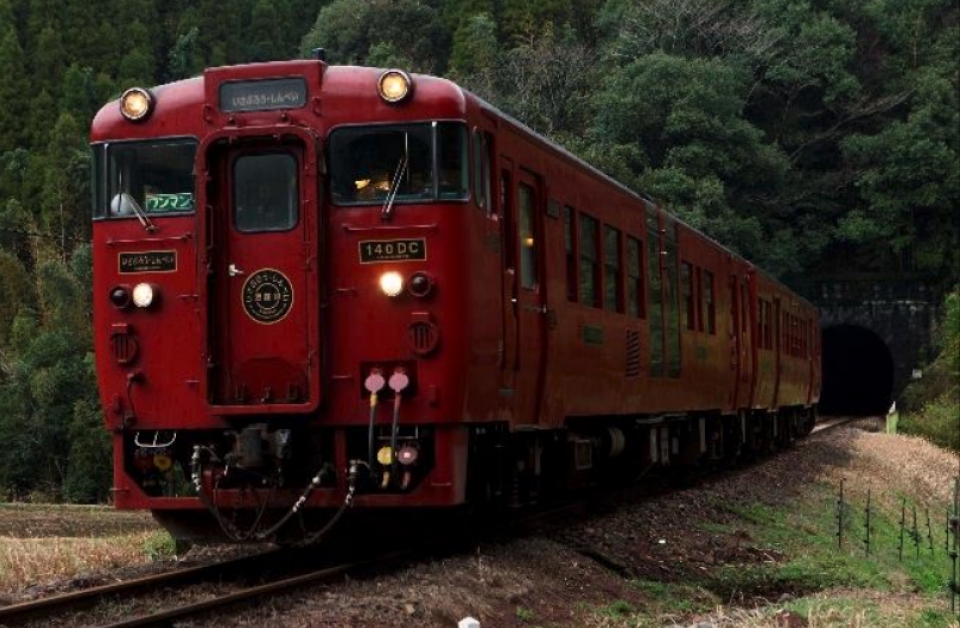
(569, 238)
(265, 193)
(761, 323)
(528, 243)
(635, 278)
(589, 268)
(481, 170)
(710, 307)
(686, 285)
(655, 289)
(671, 282)
(612, 270)
(452, 159)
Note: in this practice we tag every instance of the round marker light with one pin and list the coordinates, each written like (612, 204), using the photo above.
(144, 295)
(408, 455)
(421, 285)
(120, 297)
(136, 103)
(391, 283)
(394, 85)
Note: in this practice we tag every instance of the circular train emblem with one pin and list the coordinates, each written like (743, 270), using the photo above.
(267, 296)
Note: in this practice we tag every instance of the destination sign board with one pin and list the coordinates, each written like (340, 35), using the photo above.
(263, 95)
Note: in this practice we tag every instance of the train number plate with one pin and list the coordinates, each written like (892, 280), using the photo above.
(148, 262)
(409, 250)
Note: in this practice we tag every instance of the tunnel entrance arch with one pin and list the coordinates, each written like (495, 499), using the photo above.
(858, 372)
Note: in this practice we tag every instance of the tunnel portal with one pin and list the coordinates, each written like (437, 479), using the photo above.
(857, 372)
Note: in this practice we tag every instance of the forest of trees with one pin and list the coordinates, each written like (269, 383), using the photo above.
(809, 135)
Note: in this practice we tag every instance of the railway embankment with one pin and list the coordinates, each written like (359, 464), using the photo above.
(775, 543)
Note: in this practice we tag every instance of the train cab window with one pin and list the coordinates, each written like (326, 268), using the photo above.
(398, 163)
(132, 179)
(589, 266)
(635, 278)
(528, 243)
(612, 270)
(265, 195)
(569, 238)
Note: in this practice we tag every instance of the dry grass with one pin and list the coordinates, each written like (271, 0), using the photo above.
(40, 543)
(24, 562)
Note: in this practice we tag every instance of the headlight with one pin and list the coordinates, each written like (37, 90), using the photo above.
(394, 85)
(391, 283)
(144, 295)
(136, 103)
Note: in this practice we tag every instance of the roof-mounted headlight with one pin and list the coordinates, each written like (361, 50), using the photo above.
(136, 104)
(394, 85)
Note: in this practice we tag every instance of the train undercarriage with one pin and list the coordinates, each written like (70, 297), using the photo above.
(293, 484)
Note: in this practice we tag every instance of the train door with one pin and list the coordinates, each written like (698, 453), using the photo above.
(531, 302)
(748, 297)
(777, 350)
(263, 323)
(508, 251)
(741, 358)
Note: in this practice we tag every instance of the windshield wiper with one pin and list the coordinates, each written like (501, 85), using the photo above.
(125, 203)
(386, 212)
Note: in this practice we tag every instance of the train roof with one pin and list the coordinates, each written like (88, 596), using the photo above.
(353, 81)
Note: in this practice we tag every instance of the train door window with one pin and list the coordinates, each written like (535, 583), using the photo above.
(710, 307)
(528, 243)
(671, 282)
(265, 193)
(686, 286)
(654, 289)
(589, 267)
(612, 270)
(481, 170)
(569, 237)
(635, 277)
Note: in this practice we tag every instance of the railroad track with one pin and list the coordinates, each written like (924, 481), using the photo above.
(831, 422)
(83, 607)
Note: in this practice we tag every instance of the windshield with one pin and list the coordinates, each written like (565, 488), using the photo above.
(421, 162)
(144, 178)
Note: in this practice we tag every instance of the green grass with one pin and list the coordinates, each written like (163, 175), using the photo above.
(804, 536)
(795, 551)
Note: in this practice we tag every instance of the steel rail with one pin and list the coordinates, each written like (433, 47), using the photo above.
(17, 614)
(834, 421)
(163, 618)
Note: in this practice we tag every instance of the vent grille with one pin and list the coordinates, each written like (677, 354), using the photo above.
(124, 347)
(423, 337)
(633, 353)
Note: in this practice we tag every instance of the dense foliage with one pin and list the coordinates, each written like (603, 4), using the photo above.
(805, 134)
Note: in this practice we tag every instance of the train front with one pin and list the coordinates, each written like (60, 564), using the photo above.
(273, 307)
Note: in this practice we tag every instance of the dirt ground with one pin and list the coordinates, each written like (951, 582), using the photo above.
(582, 573)
(562, 576)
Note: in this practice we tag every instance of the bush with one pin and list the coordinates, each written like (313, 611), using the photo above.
(932, 405)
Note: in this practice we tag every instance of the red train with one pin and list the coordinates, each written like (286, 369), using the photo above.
(318, 286)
